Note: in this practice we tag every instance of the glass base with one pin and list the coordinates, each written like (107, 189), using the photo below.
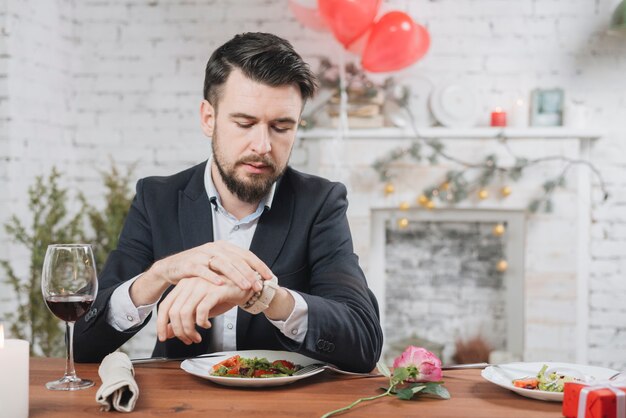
(69, 383)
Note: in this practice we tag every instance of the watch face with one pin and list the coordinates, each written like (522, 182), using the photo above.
(260, 301)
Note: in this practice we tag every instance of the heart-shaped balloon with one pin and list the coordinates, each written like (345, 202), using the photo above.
(349, 19)
(395, 42)
(357, 47)
(307, 13)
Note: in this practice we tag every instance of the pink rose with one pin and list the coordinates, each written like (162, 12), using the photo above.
(423, 365)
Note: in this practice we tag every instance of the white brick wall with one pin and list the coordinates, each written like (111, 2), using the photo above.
(35, 95)
(5, 145)
(82, 80)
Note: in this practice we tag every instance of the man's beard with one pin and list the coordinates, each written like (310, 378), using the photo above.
(257, 186)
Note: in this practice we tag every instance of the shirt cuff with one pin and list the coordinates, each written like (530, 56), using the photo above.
(122, 313)
(296, 325)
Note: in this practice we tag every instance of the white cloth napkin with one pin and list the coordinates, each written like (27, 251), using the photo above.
(119, 388)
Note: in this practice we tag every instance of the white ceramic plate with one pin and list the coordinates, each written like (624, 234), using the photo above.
(454, 105)
(202, 368)
(504, 374)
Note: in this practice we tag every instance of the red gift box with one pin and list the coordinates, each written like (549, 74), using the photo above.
(598, 400)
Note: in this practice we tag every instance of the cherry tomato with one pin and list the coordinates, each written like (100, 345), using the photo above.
(284, 363)
(228, 363)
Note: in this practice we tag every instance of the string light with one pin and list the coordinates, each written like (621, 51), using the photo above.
(458, 185)
(498, 230)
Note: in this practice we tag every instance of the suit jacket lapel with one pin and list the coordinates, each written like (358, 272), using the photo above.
(194, 212)
(196, 222)
(269, 238)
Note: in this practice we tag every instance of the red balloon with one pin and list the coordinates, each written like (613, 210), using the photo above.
(395, 42)
(357, 47)
(349, 19)
(308, 16)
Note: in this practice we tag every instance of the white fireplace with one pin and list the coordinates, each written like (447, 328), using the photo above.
(545, 285)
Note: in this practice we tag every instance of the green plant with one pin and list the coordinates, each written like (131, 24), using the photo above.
(107, 224)
(50, 224)
(467, 178)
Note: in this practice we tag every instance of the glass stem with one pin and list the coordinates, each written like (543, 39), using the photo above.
(69, 344)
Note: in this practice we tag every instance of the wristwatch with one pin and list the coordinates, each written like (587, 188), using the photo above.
(260, 301)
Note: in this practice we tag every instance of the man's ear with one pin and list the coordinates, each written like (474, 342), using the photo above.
(207, 118)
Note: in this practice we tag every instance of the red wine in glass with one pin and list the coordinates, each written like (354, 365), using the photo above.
(69, 308)
(69, 286)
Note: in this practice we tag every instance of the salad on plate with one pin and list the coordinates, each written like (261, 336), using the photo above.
(237, 366)
(543, 380)
(549, 380)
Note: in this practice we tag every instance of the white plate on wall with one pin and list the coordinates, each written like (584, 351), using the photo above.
(454, 106)
(201, 367)
(504, 374)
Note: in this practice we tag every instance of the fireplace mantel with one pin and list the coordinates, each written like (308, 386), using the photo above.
(455, 133)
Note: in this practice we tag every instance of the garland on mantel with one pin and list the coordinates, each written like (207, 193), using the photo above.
(457, 184)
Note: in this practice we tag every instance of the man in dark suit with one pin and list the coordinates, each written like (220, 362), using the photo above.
(263, 251)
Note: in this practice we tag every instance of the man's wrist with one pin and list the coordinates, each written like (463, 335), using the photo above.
(148, 288)
(155, 273)
(281, 306)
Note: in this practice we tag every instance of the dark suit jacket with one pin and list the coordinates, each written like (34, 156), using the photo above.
(304, 239)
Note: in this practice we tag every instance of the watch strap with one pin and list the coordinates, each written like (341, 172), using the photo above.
(260, 301)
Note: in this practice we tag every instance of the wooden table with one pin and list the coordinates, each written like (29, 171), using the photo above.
(167, 390)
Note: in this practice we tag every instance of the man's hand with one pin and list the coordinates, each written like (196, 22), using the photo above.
(192, 302)
(212, 260)
(216, 262)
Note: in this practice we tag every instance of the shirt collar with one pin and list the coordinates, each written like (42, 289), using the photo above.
(215, 197)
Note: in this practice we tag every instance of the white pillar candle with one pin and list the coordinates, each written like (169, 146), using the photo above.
(519, 114)
(576, 115)
(13, 377)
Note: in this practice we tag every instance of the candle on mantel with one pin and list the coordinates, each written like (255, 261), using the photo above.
(520, 114)
(498, 117)
(13, 377)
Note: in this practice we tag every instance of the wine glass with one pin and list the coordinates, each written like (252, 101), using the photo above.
(69, 286)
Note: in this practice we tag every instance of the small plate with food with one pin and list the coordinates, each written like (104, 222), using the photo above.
(543, 380)
(251, 368)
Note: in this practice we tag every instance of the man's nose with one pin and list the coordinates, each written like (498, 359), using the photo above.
(261, 143)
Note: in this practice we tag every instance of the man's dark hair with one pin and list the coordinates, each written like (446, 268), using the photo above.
(262, 57)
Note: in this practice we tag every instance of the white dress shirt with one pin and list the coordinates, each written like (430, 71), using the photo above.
(123, 314)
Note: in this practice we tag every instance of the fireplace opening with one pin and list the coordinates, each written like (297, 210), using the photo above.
(444, 283)
(452, 281)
